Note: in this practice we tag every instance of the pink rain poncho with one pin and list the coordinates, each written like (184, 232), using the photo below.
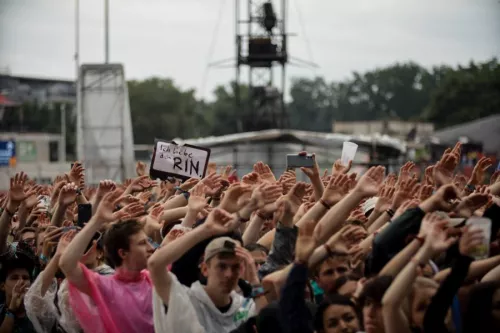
(117, 304)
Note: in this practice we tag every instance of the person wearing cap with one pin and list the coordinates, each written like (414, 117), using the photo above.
(216, 305)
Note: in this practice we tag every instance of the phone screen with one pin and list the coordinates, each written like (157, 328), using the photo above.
(84, 214)
(299, 161)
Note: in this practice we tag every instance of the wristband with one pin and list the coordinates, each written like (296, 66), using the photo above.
(420, 239)
(43, 258)
(390, 212)
(258, 291)
(186, 195)
(325, 204)
(10, 314)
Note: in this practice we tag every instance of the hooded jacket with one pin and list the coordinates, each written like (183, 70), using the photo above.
(185, 302)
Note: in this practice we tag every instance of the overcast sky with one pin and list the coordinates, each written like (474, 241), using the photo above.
(172, 38)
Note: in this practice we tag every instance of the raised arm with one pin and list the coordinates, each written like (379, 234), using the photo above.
(104, 214)
(218, 222)
(15, 197)
(367, 186)
(395, 320)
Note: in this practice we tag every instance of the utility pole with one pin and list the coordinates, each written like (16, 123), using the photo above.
(106, 31)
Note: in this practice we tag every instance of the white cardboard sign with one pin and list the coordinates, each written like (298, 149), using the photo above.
(173, 160)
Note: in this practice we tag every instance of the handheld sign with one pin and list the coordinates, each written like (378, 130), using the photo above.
(183, 162)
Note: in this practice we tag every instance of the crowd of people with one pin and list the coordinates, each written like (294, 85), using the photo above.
(377, 252)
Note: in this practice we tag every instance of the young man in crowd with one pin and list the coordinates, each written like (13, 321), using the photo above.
(121, 302)
(215, 307)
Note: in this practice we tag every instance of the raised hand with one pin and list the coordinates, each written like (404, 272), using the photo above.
(220, 222)
(212, 184)
(337, 188)
(404, 192)
(425, 192)
(444, 199)
(105, 186)
(77, 175)
(189, 184)
(405, 173)
(369, 184)
(471, 203)
(65, 240)
(248, 264)
(156, 212)
(429, 175)
(408, 204)
(227, 171)
(126, 200)
(357, 215)
(264, 195)
(429, 221)
(17, 193)
(35, 214)
(294, 198)
(197, 199)
(310, 172)
(252, 179)
(105, 211)
(339, 169)
(477, 177)
(346, 238)
(68, 194)
(32, 200)
(443, 170)
(385, 197)
(140, 184)
(265, 172)
(306, 242)
(287, 181)
(230, 202)
(140, 168)
(437, 239)
(18, 292)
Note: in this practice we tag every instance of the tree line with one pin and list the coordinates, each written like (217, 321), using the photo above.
(443, 95)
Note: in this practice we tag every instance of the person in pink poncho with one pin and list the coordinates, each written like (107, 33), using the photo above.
(118, 303)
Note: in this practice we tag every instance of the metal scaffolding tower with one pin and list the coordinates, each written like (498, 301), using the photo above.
(261, 45)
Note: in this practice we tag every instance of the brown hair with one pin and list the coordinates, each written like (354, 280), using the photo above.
(118, 237)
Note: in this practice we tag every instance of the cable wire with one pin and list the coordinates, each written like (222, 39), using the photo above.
(306, 39)
(211, 48)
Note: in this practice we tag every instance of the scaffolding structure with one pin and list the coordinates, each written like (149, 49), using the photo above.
(104, 130)
(261, 45)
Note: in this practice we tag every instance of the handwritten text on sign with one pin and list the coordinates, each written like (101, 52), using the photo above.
(186, 161)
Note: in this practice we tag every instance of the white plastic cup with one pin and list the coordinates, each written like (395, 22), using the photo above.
(348, 152)
(482, 251)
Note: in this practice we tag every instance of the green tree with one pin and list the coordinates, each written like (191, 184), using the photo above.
(159, 109)
(466, 94)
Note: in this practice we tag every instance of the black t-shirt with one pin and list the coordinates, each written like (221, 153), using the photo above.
(225, 308)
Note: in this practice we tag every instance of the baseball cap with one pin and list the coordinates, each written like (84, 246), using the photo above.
(219, 245)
